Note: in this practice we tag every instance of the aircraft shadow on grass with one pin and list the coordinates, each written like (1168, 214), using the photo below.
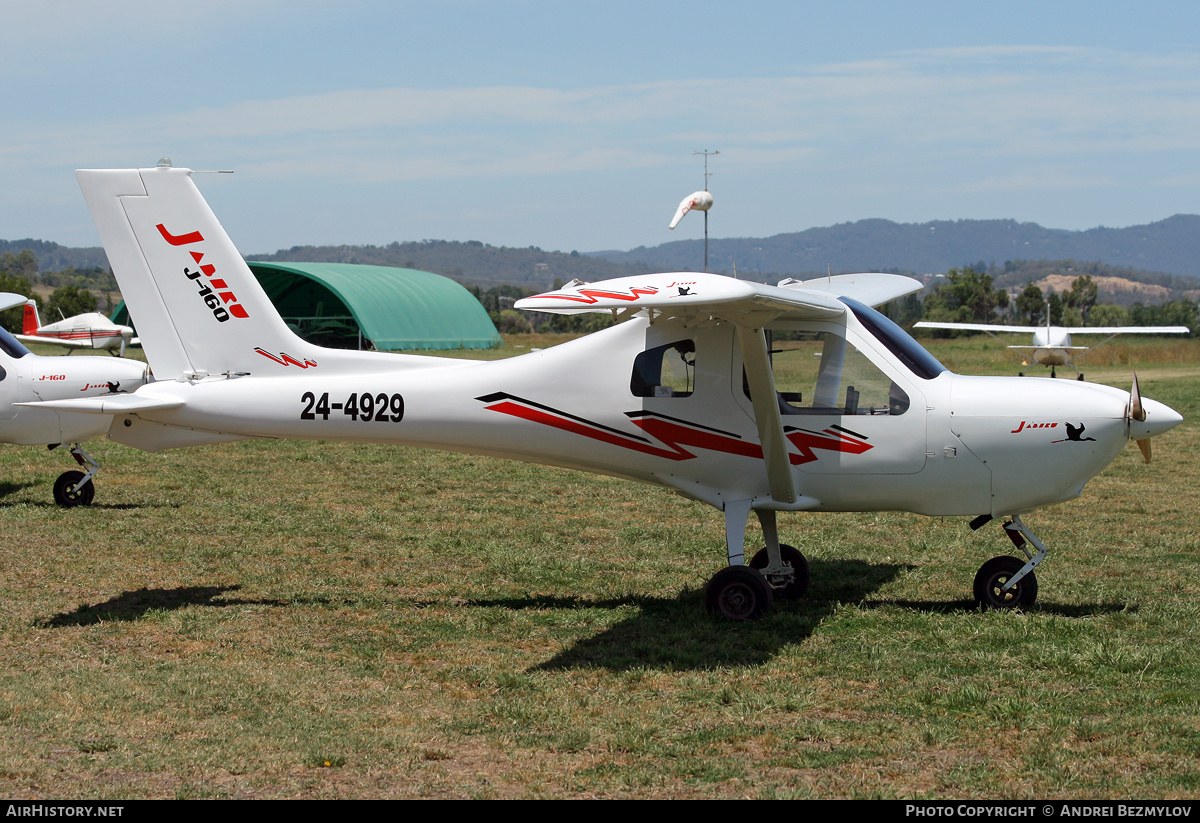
(673, 634)
(9, 487)
(134, 605)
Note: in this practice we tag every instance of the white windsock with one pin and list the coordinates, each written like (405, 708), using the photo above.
(701, 200)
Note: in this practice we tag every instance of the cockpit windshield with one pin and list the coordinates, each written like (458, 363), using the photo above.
(898, 342)
(11, 345)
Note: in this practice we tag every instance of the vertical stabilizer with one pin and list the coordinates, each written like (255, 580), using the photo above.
(197, 306)
(30, 322)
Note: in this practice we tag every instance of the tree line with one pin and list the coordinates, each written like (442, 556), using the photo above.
(965, 295)
(969, 296)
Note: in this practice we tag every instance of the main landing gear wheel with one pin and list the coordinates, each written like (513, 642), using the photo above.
(994, 574)
(65, 494)
(797, 583)
(738, 593)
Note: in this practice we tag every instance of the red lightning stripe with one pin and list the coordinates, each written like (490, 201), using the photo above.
(285, 359)
(674, 436)
(807, 441)
(594, 296)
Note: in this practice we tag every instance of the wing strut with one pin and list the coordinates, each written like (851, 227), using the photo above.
(766, 413)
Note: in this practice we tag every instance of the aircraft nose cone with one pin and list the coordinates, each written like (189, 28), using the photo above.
(1159, 418)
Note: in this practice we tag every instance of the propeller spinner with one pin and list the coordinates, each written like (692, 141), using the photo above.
(1146, 418)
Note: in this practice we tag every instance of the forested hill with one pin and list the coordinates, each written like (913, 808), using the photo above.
(472, 263)
(53, 257)
(1165, 255)
(1171, 246)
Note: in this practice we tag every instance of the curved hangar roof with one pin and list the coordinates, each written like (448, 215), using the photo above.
(394, 308)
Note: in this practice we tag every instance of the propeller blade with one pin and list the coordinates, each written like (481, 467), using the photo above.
(1136, 412)
(1144, 445)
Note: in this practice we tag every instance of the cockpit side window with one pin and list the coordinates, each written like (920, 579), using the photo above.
(11, 345)
(665, 371)
(823, 373)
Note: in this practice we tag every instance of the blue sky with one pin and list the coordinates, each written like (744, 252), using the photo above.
(572, 126)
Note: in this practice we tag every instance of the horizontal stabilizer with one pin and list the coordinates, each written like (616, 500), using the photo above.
(106, 404)
(1034, 349)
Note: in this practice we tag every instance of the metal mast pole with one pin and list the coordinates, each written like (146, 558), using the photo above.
(706, 154)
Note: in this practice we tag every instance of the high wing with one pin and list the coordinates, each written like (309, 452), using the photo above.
(1129, 330)
(749, 307)
(682, 294)
(987, 327)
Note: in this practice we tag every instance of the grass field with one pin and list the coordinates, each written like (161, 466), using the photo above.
(323, 620)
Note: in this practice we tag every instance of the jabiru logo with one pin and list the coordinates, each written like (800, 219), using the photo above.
(216, 293)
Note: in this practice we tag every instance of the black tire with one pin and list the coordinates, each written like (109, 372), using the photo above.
(64, 494)
(993, 574)
(738, 593)
(795, 588)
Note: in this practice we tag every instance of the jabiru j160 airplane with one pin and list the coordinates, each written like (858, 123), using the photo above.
(747, 397)
(26, 378)
(1052, 344)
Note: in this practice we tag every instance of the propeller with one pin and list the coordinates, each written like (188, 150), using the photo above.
(1135, 411)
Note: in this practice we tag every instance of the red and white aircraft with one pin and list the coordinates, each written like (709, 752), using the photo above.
(751, 398)
(82, 331)
(1052, 344)
(26, 378)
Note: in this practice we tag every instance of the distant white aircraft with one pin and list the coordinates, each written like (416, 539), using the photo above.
(83, 331)
(27, 378)
(1052, 344)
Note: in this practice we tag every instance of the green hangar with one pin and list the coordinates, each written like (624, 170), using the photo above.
(347, 306)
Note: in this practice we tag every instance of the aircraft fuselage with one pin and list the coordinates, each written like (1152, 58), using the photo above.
(960, 446)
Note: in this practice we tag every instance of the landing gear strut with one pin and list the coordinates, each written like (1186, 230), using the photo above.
(75, 488)
(741, 592)
(1005, 582)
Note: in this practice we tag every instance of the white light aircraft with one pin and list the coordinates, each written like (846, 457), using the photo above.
(26, 380)
(747, 397)
(82, 331)
(1052, 344)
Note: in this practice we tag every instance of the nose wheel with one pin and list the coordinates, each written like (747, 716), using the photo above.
(1007, 582)
(991, 584)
